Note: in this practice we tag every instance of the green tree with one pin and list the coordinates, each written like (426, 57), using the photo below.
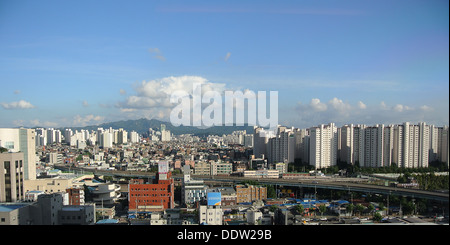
(381, 206)
(79, 158)
(377, 217)
(273, 208)
(271, 193)
(322, 209)
(408, 208)
(370, 208)
(360, 208)
(350, 208)
(299, 209)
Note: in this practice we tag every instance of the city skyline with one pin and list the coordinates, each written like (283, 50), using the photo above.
(67, 64)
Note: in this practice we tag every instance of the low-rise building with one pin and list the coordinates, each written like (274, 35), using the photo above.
(211, 215)
(155, 196)
(250, 193)
(77, 215)
(264, 173)
(48, 210)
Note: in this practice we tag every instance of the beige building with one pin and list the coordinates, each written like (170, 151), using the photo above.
(250, 193)
(56, 184)
(11, 177)
(48, 185)
(202, 168)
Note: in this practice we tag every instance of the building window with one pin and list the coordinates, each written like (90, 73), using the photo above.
(9, 145)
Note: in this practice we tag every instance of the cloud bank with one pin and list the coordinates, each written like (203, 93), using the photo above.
(340, 112)
(21, 104)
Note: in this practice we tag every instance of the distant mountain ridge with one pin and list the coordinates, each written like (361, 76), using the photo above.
(142, 125)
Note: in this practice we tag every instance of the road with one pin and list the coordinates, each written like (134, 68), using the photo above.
(328, 183)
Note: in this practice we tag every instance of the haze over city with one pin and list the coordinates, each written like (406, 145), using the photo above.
(83, 63)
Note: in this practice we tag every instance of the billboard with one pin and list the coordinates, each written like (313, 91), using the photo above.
(214, 198)
(163, 167)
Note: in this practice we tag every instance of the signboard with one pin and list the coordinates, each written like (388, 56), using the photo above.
(214, 198)
(163, 167)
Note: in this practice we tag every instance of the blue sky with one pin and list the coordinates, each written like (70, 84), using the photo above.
(76, 63)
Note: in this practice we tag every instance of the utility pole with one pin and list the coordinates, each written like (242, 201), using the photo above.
(388, 203)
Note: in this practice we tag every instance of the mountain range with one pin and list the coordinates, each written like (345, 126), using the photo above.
(142, 126)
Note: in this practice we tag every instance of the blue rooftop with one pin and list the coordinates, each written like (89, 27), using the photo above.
(108, 221)
(9, 207)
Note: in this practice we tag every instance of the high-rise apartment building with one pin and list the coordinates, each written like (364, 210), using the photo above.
(134, 137)
(260, 140)
(388, 145)
(21, 140)
(301, 149)
(323, 146)
(122, 136)
(443, 144)
(347, 141)
(281, 147)
(373, 147)
(165, 134)
(416, 145)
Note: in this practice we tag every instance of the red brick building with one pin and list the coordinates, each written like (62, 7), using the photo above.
(76, 196)
(156, 196)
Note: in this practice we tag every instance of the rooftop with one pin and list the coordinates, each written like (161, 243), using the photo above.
(7, 207)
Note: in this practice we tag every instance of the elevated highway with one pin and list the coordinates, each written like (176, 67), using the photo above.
(341, 184)
(325, 183)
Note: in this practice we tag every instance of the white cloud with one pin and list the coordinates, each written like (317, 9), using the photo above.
(122, 91)
(47, 124)
(398, 108)
(426, 108)
(227, 56)
(137, 102)
(317, 105)
(156, 93)
(22, 104)
(339, 105)
(104, 105)
(361, 105)
(87, 120)
(85, 103)
(151, 99)
(157, 54)
(341, 113)
(401, 108)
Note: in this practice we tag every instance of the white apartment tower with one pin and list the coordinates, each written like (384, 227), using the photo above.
(260, 141)
(434, 146)
(21, 140)
(416, 139)
(388, 145)
(301, 151)
(122, 136)
(373, 147)
(281, 146)
(443, 144)
(323, 146)
(346, 154)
